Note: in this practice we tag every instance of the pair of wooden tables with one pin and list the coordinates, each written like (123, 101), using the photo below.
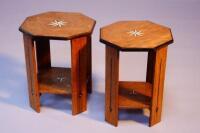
(76, 81)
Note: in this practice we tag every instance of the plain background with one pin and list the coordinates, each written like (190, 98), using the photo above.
(181, 106)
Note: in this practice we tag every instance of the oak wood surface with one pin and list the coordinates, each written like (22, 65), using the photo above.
(38, 30)
(155, 40)
(142, 88)
(112, 85)
(31, 70)
(158, 77)
(129, 100)
(118, 35)
(75, 25)
(55, 80)
(79, 74)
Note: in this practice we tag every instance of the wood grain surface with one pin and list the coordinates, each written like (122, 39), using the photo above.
(142, 88)
(55, 80)
(156, 76)
(79, 74)
(129, 100)
(75, 25)
(31, 69)
(112, 85)
(118, 35)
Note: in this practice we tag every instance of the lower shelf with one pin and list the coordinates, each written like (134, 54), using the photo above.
(55, 80)
(134, 95)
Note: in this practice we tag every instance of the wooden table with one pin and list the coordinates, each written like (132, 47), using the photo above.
(37, 31)
(135, 36)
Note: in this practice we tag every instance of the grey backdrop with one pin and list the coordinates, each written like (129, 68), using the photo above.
(182, 93)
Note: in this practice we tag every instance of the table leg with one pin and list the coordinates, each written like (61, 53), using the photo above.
(112, 85)
(89, 64)
(79, 74)
(156, 75)
(43, 53)
(31, 69)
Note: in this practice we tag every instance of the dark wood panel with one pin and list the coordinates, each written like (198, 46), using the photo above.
(89, 64)
(43, 53)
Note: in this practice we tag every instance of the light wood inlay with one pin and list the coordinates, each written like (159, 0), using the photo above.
(153, 35)
(135, 36)
(55, 80)
(38, 30)
(76, 24)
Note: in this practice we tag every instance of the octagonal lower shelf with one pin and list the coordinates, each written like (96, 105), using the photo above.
(55, 80)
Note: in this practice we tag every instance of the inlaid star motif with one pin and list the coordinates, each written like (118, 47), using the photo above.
(57, 23)
(60, 78)
(135, 33)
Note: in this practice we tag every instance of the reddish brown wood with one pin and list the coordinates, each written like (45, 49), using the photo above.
(136, 36)
(130, 100)
(112, 85)
(89, 64)
(43, 53)
(75, 25)
(42, 78)
(158, 60)
(79, 74)
(142, 88)
(31, 69)
(55, 80)
(118, 35)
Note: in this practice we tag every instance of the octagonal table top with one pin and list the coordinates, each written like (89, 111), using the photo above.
(58, 25)
(130, 35)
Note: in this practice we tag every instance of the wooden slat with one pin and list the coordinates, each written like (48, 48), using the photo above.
(55, 80)
(112, 84)
(43, 53)
(142, 88)
(128, 100)
(79, 74)
(31, 69)
(89, 64)
(158, 84)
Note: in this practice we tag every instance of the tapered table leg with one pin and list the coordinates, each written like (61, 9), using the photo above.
(156, 75)
(79, 74)
(43, 53)
(89, 64)
(112, 85)
(31, 68)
